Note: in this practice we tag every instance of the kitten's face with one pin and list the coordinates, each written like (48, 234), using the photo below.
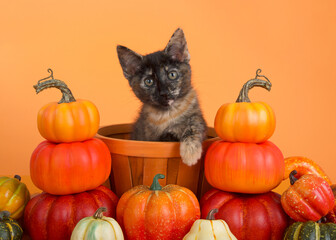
(160, 78)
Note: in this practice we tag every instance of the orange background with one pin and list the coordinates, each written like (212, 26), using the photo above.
(293, 42)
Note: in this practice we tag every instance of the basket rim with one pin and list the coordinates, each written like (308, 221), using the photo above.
(137, 148)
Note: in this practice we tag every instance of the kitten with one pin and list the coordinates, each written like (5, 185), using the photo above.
(170, 110)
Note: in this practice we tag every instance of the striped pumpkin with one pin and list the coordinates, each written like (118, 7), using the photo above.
(9, 228)
(210, 229)
(97, 227)
(310, 231)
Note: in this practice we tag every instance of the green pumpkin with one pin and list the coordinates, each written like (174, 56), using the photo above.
(9, 228)
(311, 231)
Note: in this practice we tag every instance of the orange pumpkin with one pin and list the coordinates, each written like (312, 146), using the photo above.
(69, 120)
(246, 121)
(14, 196)
(150, 213)
(68, 168)
(303, 166)
(244, 167)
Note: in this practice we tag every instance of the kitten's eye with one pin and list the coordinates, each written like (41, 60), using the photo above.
(149, 82)
(172, 75)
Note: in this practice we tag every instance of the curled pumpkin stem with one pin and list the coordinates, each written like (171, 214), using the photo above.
(211, 214)
(99, 213)
(256, 82)
(45, 83)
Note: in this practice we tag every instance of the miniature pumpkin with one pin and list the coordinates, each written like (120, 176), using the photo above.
(310, 231)
(9, 228)
(69, 120)
(49, 217)
(156, 212)
(210, 229)
(246, 121)
(14, 196)
(97, 227)
(303, 166)
(309, 198)
(249, 216)
(244, 167)
(67, 168)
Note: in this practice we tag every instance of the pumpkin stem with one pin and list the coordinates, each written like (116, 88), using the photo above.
(156, 185)
(99, 213)
(18, 177)
(292, 178)
(211, 214)
(44, 83)
(4, 215)
(243, 95)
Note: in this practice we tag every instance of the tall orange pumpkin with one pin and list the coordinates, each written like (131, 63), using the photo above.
(244, 167)
(68, 168)
(149, 213)
(69, 120)
(246, 121)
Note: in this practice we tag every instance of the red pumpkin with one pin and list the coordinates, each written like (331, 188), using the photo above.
(68, 168)
(244, 167)
(50, 217)
(308, 199)
(150, 213)
(250, 217)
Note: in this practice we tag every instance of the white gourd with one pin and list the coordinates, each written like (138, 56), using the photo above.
(210, 229)
(97, 227)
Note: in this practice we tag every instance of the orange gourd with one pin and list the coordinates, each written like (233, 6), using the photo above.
(246, 121)
(150, 213)
(68, 168)
(14, 196)
(244, 167)
(303, 166)
(69, 120)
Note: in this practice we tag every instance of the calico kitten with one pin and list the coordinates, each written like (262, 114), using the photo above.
(170, 110)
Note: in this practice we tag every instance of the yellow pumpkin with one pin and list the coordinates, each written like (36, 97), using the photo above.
(14, 196)
(97, 227)
(69, 120)
(210, 229)
(246, 121)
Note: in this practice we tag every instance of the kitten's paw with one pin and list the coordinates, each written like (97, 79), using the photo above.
(190, 151)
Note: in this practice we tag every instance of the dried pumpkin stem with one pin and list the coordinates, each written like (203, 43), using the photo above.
(211, 214)
(99, 213)
(44, 83)
(292, 178)
(18, 177)
(156, 185)
(256, 82)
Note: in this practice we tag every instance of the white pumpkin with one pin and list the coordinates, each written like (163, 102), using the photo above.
(97, 227)
(210, 229)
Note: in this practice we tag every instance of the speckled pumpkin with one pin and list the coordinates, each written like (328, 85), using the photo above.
(9, 228)
(310, 231)
(14, 196)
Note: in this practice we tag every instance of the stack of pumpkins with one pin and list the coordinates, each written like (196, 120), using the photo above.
(70, 167)
(243, 167)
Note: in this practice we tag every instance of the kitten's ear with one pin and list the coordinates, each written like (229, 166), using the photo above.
(130, 61)
(177, 47)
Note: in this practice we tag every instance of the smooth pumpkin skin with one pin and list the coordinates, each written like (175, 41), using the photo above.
(68, 122)
(163, 214)
(52, 217)
(67, 168)
(244, 167)
(252, 122)
(14, 196)
(304, 166)
(249, 216)
(309, 198)
(9, 228)
(310, 231)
